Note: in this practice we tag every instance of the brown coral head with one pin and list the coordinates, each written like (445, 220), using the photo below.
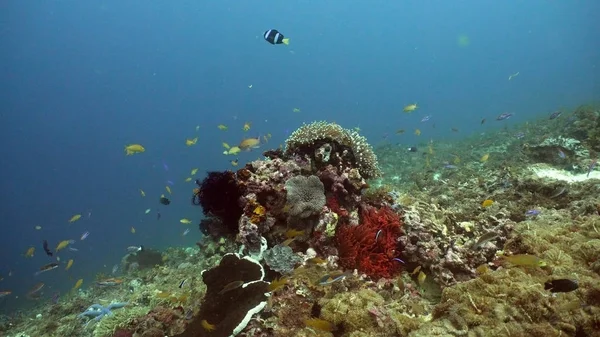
(229, 311)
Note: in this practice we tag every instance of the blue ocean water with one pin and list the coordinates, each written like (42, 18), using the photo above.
(82, 79)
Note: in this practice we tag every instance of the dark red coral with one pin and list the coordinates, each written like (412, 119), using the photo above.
(372, 246)
(219, 194)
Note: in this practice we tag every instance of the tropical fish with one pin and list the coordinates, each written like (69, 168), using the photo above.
(235, 162)
(525, 260)
(168, 189)
(5, 293)
(561, 285)
(132, 230)
(231, 286)
(46, 248)
(331, 278)
(513, 75)
(487, 203)
(147, 211)
(503, 116)
(193, 172)
(320, 324)
(274, 37)
(84, 235)
(29, 252)
(249, 143)
(532, 212)
(142, 193)
(185, 232)
(233, 150)
(75, 218)
(425, 119)
(188, 179)
(278, 283)
(226, 146)
(62, 245)
(421, 278)
(197, 127)
(296, 110)
(400, 131)
(190, 142)
(592, 165)
(555, 114)
(38, 227)
(410, 108)
(109, 282)
(47, 267)
(135, 249)
(35, 289)
(185, 221)
(222, 127)
(246, 126)
(484, 158)
(78, 284)
(483, 239)
(69, 264)
(164, 200)
(417, 132)
(133, 149)
(207, 326)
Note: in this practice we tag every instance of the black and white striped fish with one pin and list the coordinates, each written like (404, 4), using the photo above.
(274, 37)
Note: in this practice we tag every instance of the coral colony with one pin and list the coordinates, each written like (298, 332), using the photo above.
(314, 240)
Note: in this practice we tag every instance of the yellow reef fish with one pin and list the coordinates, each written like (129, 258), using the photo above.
(75, 218)
(525, 260)
(410, 108)
(246, 126)
(30, 252)
(62, 245)
(484, 158)
(487, 203)
(78, 284)
(185, 221)
(168, 189)
(421, 278)
(296, 110)
(249, 143)
(222, 127)
(69, 264)
(132, 149)
(132, 230)
(235, 162)
(226, 146)
(234, 150)
(188, 179)
(193, 171)
(142, 192)
(207, 326)
(190, 142)
(417, 132)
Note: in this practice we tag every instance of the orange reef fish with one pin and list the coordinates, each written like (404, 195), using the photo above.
(109, 282)
(132, 149)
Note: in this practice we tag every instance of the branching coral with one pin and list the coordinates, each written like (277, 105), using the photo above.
(372, 246)
(328, 143)
(305, 196)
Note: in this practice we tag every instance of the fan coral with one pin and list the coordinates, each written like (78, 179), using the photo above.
(219, 195)
(328, 143)
(305, 196)
(371, 247)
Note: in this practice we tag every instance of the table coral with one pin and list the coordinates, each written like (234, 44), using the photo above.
(372, 246)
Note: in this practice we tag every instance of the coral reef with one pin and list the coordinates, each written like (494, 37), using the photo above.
(218, 196)
(305, 196)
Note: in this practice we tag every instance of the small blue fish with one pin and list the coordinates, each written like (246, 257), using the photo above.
(504, 116)
(520, 135)
(532, 212)
(147, 211)
(426, 118)
(561, 154)
(84, 235)
(185, 232)
(73, 249)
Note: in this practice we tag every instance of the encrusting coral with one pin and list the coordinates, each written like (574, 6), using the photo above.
(305, 196)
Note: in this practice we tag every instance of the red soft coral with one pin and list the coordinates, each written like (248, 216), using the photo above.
(361, 247)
